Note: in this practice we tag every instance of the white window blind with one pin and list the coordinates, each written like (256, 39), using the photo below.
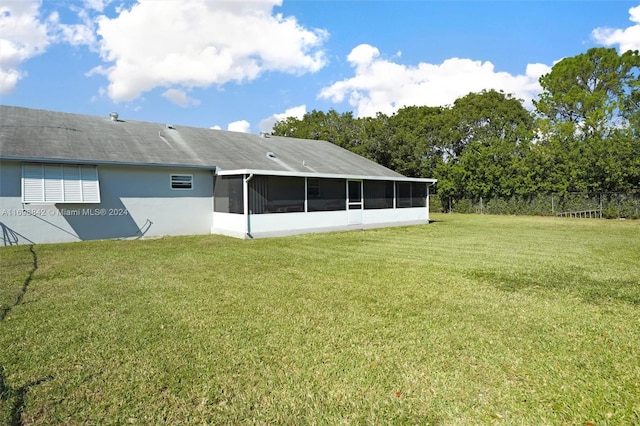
(60, 183)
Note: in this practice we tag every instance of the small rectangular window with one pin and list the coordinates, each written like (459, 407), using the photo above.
(181, 181)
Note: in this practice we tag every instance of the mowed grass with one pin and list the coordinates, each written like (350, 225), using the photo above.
(469, 320)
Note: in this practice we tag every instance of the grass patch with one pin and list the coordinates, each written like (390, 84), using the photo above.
(472, 319)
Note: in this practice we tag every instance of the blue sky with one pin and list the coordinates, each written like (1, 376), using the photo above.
(241, 65)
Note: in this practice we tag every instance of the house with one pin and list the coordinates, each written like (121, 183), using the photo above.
(69, 177)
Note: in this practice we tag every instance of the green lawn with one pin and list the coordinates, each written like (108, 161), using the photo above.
(469, 320)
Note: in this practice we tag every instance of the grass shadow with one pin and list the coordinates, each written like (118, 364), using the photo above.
(571, 281)
(6, 393)
(25, 285)
(20, 399)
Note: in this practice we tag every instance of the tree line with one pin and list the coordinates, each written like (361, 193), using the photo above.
(582, 135)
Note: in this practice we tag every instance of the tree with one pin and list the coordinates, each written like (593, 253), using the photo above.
(415, 139)
(377, 137)
(340, 129)
(483, 142)
(486, 116)
(406, 142)
(589, 117)
(592, 93)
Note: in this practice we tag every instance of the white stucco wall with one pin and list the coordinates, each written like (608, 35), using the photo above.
(280, 224)
(230, 224)
(386, 217)
(135, 202)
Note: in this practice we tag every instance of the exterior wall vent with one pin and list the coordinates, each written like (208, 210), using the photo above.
(113, 116)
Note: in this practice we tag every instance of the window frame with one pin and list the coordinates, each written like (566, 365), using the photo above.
(174, 175)
(53, 183)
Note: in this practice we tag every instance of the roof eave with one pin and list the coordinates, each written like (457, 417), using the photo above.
(105, 163)
(321, 175)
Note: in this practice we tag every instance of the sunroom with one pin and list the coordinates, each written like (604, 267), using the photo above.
(254, 203)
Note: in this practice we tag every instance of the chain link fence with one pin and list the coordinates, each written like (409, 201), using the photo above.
(578, 204)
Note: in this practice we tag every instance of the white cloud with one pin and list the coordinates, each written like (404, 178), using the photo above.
(25, 33)
(266, 125)
(22, 36)
(383, 86)
(626, 39)
(180, 97)
(97, 5)
(201, 43)
(81, 34)
(239, 126)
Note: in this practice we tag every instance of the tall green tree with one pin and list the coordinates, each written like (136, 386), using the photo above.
(592, 93)
(377, 140)
(415, 140)
(485, 139)
(589, 116)
(486, 116)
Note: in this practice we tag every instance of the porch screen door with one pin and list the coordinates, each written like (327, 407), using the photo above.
(354, 201)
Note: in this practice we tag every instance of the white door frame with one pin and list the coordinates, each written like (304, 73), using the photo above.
(355, 201)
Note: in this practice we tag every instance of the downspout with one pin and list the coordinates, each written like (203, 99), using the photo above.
(428, 196)
(245, 200)
(213, 200)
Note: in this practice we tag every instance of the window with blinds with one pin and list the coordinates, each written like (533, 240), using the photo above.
(60, 183)
(181, 181)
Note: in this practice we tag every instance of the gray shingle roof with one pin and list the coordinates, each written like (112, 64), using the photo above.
(38, 135)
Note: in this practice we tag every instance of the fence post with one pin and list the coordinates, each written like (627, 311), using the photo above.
(600, 195)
